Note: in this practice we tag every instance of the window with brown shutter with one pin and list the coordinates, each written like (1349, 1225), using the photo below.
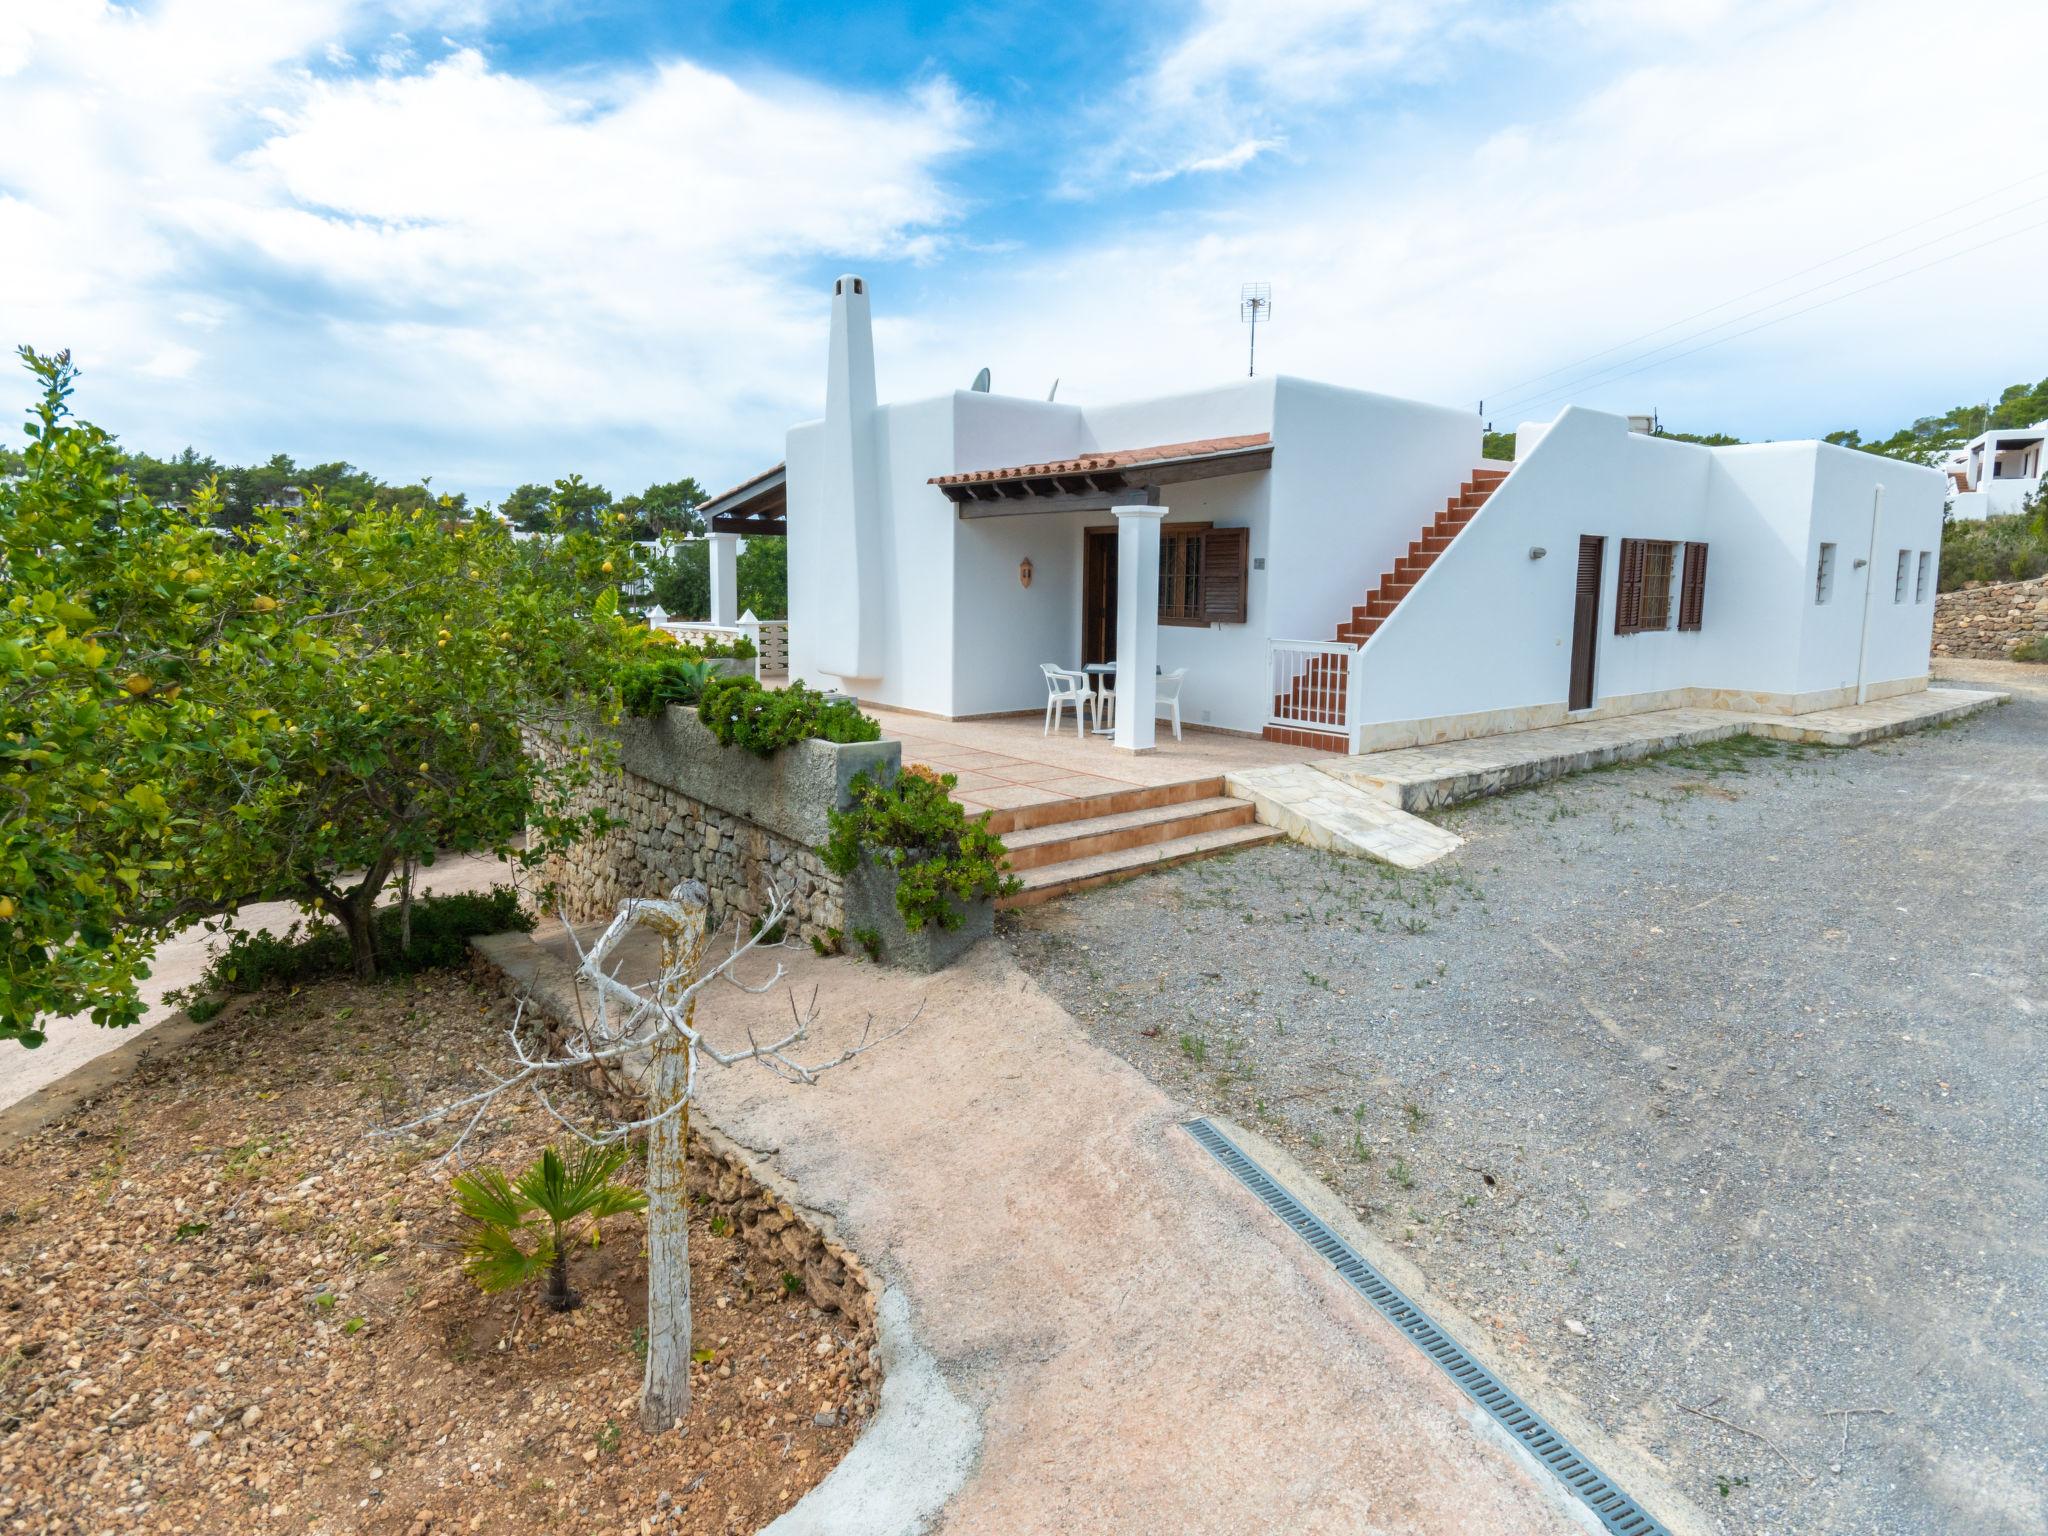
(1204, 574)
(1692, 596)
(1628, 588)
(1642, 597)
(1180, 574)
(1226, 574)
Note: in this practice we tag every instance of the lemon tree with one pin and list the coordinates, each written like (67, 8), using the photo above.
(111, 607)
(404, 655)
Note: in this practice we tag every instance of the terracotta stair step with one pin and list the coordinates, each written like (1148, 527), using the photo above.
(1045, 813)
(1335, 744)
(1052, 880)
(1064, 841)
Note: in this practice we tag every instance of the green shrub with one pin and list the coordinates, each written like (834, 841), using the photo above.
(912, 825)
(548, 1199)
(2035, 649)
(741, 713)
(2009, 548)
(648, 687)
(442, 927)
(738, 648)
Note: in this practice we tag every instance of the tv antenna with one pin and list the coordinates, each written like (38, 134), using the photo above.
(1254, 303)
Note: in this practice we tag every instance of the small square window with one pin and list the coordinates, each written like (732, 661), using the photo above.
(1824, 575)
(1926, 571)
(1899, 578)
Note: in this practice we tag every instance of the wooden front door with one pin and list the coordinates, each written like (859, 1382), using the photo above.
(1586, 621)
(1098, 597)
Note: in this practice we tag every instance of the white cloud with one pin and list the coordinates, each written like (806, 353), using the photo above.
(440, 253)
(1493, 241)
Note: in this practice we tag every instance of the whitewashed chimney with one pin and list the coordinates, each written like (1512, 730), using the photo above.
(849, 534)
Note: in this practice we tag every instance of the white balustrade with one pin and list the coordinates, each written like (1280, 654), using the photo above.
(1315, 686)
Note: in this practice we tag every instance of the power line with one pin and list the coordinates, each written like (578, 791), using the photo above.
(1808, 309)
(1600, 375)
(1509, 391)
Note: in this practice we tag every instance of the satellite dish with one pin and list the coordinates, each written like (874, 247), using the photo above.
(980, 385)
(1053, 393)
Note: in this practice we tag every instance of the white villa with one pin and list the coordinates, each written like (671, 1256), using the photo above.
(1995, 471)
(1333, 568)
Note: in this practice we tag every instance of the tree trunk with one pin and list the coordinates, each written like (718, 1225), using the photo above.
(358, 917)
(560, 1297)
(665, 1396)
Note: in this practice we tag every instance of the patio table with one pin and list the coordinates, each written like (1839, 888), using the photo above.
(1102, 672)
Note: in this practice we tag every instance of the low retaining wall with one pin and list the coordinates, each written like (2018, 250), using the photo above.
(689, 808)
(1991, 622)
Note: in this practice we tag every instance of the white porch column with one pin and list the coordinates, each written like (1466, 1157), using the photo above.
(1137, 625)
(725, 578)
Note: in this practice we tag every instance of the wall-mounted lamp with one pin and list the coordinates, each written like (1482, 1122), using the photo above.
(1858, 564)
(1537, 551)
(1024, 570)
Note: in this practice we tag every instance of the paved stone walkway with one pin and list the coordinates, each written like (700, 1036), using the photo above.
(1324, 811)
(1138, 1346)
(1421, 778)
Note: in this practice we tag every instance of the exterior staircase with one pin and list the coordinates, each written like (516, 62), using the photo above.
(1070, 845)
(1318, 694)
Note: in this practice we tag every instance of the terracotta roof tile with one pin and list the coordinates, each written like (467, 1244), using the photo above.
(1120, 458)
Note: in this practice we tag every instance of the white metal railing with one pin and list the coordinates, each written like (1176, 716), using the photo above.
(1316, 687)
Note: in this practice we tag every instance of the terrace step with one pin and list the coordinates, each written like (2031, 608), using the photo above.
(1047, 813)
(1065, 841)
(1049, 881)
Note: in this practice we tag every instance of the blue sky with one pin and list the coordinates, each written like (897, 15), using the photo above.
(494, 242)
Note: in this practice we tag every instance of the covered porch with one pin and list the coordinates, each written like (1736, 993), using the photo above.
(1152, 577)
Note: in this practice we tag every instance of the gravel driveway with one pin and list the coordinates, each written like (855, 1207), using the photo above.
(1711, 1084)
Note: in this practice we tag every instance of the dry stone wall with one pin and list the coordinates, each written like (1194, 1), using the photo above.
(688, 808)
(1991, 622)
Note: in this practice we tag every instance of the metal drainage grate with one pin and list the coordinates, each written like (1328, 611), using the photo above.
(1617, 1511)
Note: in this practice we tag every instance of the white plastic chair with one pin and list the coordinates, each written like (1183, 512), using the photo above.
(1061, 689)
(1168, 701)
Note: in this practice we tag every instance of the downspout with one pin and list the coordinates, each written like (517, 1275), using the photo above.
(1869, 584)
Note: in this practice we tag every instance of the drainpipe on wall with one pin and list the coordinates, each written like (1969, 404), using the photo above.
(1869, 585)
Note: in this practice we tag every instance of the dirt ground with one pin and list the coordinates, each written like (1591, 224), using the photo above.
(224, 1309)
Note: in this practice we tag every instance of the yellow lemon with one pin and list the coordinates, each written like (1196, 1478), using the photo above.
(423, 768)
(265, 605)
(7, 908)
(606, 567)
(136, 684)
(362, 709)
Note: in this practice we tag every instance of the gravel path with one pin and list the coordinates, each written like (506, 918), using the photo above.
(1712, 1084)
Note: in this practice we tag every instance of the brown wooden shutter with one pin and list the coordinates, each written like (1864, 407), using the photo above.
(1226, 574)
(1692, 596)
(1628, 589)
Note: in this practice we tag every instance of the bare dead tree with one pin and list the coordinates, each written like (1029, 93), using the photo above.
(656, 1017)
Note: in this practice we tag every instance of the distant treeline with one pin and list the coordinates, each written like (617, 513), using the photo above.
(1926, 440)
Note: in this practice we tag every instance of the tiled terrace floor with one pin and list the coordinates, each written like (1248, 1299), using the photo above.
(1005, 763)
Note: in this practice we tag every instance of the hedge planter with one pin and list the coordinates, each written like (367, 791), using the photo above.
(788, 794)
(871, 910)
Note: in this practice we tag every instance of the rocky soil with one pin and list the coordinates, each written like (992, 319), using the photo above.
(224, 1308)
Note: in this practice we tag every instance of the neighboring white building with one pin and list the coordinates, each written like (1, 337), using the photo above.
(1331, 566)
(1995, 471)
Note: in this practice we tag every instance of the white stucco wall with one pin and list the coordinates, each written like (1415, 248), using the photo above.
(1489, 629)
(1910, 519)
(911, 642)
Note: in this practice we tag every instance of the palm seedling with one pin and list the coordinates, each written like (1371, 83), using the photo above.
(548, 1199)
